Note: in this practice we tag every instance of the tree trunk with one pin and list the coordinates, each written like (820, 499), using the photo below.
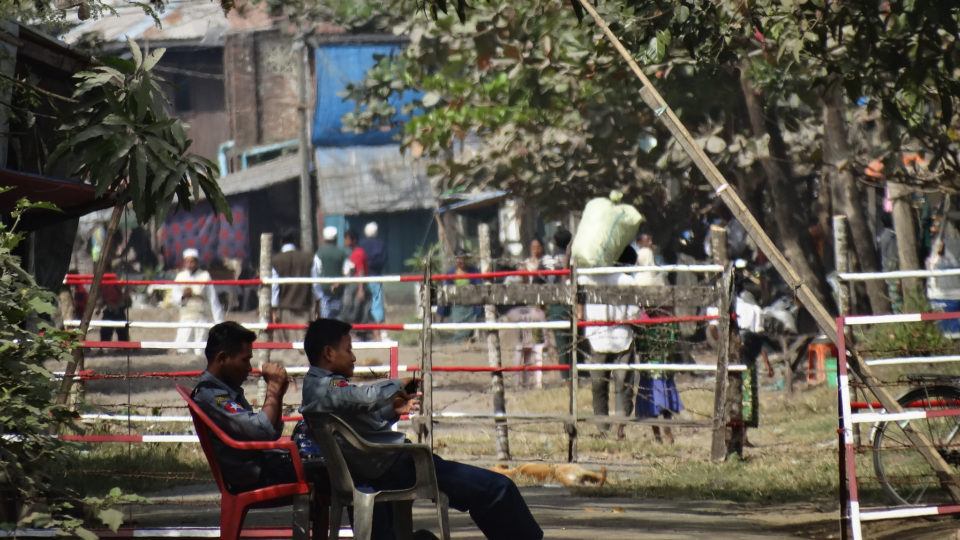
(101, 267)
(906, 237)
(824, 217)
(794, 235)
(447, 233)
(836, 153)
(750, 185)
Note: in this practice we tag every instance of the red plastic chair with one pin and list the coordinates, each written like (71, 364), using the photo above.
(234, 506)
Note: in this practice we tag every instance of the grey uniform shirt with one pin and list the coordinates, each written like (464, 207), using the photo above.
(230, 410)
(367, 409)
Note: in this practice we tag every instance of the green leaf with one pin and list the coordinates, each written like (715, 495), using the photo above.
(117, 120)
(135, 51)
(152, 58)
(139, 171)
(85, 534)
(90, 133)
(122, 66)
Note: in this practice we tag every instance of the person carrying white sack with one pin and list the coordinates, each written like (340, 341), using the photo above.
(198, 302)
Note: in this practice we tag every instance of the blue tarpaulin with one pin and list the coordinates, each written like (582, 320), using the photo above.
(337, 66)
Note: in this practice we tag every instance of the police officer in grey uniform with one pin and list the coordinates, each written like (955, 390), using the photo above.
(493, 500)
(219, 393)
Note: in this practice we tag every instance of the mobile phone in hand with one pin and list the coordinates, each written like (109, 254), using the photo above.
(412, 386)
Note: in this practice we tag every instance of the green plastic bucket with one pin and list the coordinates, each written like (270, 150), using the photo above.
(831, 367)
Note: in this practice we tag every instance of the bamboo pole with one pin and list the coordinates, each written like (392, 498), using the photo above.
(103, 263)
(732, 200)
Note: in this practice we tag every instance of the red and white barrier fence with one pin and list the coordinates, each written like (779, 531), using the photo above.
(394, 369)
(86, 279)
(450, 327)
(272, 345)
(272, 533)
(855, 514)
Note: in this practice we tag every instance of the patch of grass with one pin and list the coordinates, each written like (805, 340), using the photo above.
(750, 480)
(794, 459)
(139, 468)
(921, 338)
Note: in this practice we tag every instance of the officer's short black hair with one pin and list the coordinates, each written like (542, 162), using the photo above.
(228, 337)
(322, 333)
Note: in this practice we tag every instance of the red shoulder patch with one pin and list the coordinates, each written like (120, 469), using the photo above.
(340, 384)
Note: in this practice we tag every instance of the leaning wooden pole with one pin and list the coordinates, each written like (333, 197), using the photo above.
(732, 200)
(103, 264)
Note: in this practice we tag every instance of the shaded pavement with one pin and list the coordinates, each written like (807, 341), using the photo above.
(560, 513)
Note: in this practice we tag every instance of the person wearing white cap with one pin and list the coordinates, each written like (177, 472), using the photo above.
(330, 260)
(376, 252)
(198, 302)
(291, 303)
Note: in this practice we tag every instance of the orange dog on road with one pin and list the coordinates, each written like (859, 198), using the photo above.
(568, 474)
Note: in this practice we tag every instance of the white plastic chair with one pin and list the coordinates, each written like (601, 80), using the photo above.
(344, 492)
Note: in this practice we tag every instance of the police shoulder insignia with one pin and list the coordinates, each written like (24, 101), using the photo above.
(233, 407)
(339, 383)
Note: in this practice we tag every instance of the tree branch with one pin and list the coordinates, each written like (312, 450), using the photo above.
(36, 89)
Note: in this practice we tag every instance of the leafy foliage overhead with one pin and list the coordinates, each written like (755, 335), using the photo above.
(900, 58)
(536, 105)
(121, 139)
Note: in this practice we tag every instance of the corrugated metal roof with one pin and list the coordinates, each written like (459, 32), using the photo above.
(368, 179)
(261, 175)
(200, 21)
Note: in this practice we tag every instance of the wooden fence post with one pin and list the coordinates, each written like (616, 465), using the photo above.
(574, 379)
(493, 353)
(425, 425)
(263, 307)
(718, 248)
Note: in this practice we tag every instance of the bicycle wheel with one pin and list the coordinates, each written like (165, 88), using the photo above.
(901, 469)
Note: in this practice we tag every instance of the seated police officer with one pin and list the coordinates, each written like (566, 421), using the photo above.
(220, 394)
(492, 499)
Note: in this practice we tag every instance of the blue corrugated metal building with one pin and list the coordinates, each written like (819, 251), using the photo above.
(363, 177)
